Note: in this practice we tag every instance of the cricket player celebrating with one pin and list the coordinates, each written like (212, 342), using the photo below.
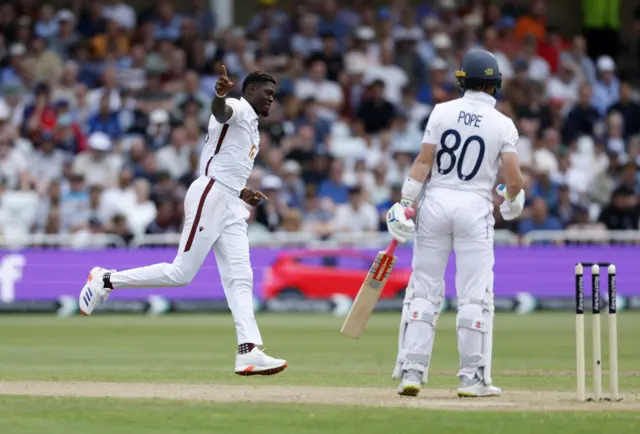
(215, 217)
(467, 139)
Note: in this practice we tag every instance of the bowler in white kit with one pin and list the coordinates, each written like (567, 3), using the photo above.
(215, 218)
(466, 140)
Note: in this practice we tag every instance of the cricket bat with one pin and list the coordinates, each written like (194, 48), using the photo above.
(370, 291)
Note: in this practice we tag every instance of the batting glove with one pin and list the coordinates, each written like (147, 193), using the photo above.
(511, 208)
(401, 227)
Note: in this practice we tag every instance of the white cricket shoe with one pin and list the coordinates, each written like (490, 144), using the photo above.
(475, 388)
(411, 383)
(256, 362)
(93, 293)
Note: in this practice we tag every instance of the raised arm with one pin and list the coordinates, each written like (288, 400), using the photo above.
(219, 107)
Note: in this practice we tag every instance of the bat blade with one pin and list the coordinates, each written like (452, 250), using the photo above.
(368, 295)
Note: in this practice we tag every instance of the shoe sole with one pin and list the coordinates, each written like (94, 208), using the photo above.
(250, 371)
(409, 391)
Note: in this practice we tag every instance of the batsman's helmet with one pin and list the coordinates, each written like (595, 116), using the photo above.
(478, 68)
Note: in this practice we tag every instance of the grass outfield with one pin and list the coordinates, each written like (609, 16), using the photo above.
(190, 359)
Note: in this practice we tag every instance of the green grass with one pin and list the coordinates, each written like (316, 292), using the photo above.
(20, 415)
(534, 352)
(201, 349)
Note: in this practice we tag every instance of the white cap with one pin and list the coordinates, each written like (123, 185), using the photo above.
(365, 33)
(5, 112)
(65, 15)
(271, 182)
(291, 167)
(606, 64)
(159, 116)
(17, 50)
(438, 64)
(99, 141)
(441, 41)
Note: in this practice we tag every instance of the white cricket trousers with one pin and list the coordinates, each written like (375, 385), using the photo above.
(461, 221)
(215, 217)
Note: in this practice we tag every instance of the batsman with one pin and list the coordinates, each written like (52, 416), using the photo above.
(465, 143)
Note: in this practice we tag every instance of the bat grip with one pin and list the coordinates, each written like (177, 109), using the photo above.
(391, 248)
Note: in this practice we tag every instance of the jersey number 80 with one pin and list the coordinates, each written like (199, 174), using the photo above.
(456, 159)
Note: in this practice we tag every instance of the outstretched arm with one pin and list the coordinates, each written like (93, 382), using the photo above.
(219, 107)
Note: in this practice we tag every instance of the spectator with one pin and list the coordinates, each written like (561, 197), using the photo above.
(293, 190)
(306, 41)
(167, 22)
(332, 187)
(582, 117)
(417, 113)
(533, 23)
(99, 165)
(159, 130)
(539, 69)
(623, 212)
(105, 121)
(629, 109)
(46, 163)
(13, 166)
(143, 211)
(121, 13)
(317, 216)
(113, 42)
(174, 158)
(92, 22)
(375, 112)
(74, 208)
(331, 56)
(394, 77)
(65, 38)
(606, 90)
(165, 221)
(327, 94)
(356, 215)
(540, 219)
(578, 55)
(270, 213)
(43, 64)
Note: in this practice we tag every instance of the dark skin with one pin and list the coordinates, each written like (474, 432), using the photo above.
(260, 97)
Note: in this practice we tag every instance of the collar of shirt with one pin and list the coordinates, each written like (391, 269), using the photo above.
(255, 115)
(484, 97)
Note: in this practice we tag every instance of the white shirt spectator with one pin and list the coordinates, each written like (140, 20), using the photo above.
(363, 219)
(394, 79)
(174, 160)
(46, 166)
(538, 69)
(12, 165)
(567, 92)
(98, 166)
(324, 91)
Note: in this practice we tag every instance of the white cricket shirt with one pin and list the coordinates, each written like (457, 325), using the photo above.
(469, 135)
(231, 148)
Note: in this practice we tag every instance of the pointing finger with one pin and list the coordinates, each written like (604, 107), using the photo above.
(224, 71)
(262, 195)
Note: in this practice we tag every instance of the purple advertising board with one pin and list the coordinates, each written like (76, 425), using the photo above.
(545, 272)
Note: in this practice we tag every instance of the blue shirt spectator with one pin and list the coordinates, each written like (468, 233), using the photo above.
(606, 91)
(540, 220)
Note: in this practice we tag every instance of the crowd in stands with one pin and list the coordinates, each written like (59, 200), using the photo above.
(103, 112)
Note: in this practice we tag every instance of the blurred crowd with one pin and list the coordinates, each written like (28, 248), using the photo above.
(103, 112)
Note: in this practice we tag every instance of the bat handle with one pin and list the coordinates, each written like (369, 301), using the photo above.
(391, 248)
